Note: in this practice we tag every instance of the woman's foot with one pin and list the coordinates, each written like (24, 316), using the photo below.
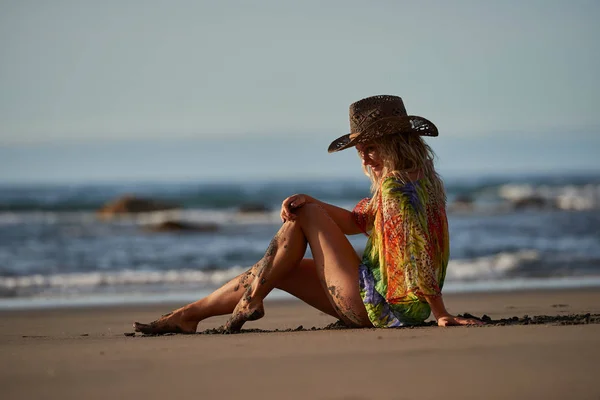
(244, 311)
(168, 323)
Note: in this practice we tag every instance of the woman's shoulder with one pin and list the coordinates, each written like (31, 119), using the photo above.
(398, 183)
(418, 191)
(423, 193)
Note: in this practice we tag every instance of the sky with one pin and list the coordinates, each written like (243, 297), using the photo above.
(179, 90)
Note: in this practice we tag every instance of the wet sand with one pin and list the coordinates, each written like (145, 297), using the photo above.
(83, 353)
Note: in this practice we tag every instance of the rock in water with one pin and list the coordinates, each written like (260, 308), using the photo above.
(182, 227)
(463, 202)
(249, 208)
(530, 202)
(132, 205)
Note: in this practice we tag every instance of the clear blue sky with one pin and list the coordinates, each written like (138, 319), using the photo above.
(202, 89)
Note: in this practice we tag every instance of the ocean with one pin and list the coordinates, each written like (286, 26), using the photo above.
(506, 233)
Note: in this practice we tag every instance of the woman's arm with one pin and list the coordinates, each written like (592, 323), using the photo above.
(443, 317)
(342, 217)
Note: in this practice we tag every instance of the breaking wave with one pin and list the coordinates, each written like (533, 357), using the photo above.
(495, 267)
(103, 282)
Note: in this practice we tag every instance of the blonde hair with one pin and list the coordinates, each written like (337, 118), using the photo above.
(404, 156)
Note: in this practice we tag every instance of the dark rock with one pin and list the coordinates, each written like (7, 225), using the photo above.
(177, 226)
(530, 202)
(132, 205)
(253, 208)
(462, 202)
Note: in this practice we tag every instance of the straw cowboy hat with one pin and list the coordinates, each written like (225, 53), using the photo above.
(377, 116)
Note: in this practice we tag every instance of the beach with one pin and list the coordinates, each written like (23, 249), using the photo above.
(148, 155)
(83, 352)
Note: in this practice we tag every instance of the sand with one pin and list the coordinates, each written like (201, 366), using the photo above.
(83, 353)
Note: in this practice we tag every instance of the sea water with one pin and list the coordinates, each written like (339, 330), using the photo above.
(506, 233)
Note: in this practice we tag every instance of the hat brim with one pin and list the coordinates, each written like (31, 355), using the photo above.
(383, 127)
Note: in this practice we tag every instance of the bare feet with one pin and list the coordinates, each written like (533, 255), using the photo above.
(244, 311)
(168, 323)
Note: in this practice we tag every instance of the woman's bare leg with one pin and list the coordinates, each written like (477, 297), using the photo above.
(328, 283)
(302, 282)
(225, 299)
(335, 260)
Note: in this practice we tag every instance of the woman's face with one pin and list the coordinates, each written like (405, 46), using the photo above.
(370, 157)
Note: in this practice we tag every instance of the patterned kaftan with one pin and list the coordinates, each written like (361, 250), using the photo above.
(406, 254)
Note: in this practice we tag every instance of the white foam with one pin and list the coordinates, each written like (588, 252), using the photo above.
(568, 197)
(579, 198)
(46, 217)
(482, 268)
(121, 278)
(489, 267)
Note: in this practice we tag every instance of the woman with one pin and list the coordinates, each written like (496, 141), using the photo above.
(399, 280)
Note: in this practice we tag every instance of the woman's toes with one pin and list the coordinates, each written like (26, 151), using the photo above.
(241, 314)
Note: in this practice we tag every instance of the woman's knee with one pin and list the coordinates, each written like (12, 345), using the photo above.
(311, 210)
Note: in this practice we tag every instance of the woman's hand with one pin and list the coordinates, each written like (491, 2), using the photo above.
(443, 317)
(291, 204)
(451, 320)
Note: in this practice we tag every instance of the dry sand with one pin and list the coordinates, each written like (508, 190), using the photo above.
(83, 353)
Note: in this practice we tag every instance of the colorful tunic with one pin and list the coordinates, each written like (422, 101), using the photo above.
(406, 254)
